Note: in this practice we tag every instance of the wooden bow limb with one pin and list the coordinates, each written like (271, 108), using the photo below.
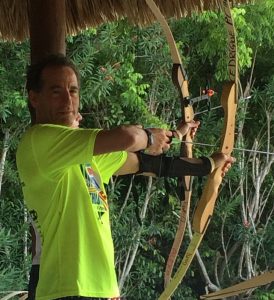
(184, 212)
(205, 207)
(180, 80)
(242, 287)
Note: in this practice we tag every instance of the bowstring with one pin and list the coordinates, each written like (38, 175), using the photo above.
(235, 148)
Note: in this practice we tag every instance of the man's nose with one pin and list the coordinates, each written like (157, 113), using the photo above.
(67, 97)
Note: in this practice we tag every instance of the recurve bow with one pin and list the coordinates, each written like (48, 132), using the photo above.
(180, 80)
(205, 207)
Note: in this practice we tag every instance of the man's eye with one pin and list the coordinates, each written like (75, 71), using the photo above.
(74, 92)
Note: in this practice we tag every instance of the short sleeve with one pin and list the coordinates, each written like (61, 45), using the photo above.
(57, 147)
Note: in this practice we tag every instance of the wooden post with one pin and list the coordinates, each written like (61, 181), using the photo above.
(47, 22)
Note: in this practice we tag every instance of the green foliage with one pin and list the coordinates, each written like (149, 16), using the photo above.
(14, 118)
(12, 101)
(13, 269)
(261, 295)
(112, 90)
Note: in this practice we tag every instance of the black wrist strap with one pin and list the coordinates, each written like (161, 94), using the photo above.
(149, 137)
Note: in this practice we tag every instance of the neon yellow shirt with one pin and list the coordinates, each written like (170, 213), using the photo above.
(64, 192)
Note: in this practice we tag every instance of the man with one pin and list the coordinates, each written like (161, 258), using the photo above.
(63, 171)
(36, 244)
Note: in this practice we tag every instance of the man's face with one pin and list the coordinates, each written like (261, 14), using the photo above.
(58, 100)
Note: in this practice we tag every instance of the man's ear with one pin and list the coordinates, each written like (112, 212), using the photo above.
(33, 99)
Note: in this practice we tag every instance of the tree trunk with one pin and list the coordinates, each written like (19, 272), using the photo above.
(47, 28)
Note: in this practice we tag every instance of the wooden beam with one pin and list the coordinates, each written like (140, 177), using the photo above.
(47, 22)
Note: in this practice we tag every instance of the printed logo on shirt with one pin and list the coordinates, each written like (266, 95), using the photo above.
(97, 196)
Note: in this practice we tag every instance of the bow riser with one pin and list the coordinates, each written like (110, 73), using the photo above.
(232, 45)
(229, 104)
(206, 205)
(180, 80)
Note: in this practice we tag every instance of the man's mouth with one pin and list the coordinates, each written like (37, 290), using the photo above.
(65, 112)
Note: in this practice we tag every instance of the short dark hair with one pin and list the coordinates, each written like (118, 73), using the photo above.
(34, 71)
(34, 75)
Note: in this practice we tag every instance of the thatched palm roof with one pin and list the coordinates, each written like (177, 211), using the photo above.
(81, 14)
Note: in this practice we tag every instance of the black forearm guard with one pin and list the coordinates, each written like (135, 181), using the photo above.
(165, 166)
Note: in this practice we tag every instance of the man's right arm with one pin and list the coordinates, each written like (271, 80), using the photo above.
(131, 138)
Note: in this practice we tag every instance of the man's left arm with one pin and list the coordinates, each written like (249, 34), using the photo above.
(131, 165)
(164, 166)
